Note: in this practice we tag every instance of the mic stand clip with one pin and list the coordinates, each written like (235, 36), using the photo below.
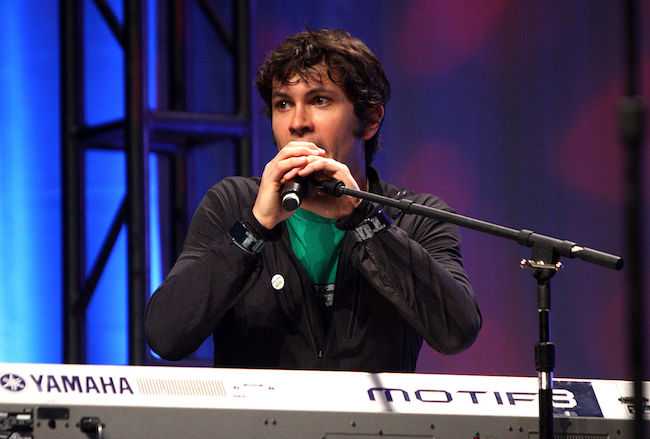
(544, 264)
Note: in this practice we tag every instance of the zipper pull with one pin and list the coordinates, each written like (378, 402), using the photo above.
(320, 354)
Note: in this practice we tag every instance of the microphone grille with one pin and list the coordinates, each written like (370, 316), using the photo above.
(290, 202)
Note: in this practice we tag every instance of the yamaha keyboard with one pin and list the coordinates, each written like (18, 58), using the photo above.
(45, 401)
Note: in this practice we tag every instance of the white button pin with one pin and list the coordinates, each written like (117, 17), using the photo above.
(277, 282)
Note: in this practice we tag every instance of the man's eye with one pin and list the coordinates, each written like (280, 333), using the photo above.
(321, 100)
(281, 105)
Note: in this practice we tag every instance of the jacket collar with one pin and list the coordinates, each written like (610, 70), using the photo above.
(377, 186)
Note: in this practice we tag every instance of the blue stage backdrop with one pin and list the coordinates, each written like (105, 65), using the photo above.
(505, 109)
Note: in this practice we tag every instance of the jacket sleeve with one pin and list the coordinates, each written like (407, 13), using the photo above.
(207, 279)
(416, 264)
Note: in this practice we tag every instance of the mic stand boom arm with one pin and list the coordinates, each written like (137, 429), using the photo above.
(544, 264)
(524, 237)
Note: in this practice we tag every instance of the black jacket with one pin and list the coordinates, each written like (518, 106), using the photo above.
(403, 284)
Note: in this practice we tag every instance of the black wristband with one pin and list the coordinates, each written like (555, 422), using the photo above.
(363, 211)
(257, 229)
(372, 225)
(245, 239)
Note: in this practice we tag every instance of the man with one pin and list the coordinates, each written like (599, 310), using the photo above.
(340, 283)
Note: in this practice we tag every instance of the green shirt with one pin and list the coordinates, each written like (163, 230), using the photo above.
(316, 242)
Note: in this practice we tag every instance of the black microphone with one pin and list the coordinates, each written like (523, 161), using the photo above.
(330, 187)
(293, 192)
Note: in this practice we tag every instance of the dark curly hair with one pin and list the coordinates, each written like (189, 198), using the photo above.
(349, 62)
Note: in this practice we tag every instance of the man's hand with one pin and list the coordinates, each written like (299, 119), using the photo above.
(326, 205)
(285, 165)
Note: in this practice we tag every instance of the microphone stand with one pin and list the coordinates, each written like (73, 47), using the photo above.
(632, 116)
(544, 263)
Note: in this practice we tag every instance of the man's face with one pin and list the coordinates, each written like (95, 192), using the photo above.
(318, 111)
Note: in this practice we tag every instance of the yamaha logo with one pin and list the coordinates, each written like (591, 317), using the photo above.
(12, 382)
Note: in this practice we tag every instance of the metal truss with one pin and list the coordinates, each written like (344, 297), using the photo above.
(170, 131)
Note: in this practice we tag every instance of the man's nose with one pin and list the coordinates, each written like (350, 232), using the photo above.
(301, 122)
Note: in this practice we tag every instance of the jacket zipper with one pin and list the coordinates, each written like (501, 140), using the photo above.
(302, 275)
(341, 275)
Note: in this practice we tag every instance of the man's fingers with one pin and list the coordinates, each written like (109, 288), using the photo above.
(280, 168)
(329, 168)
(289, 175)
(296, 149)
(298, 143)
(288, 168)
(321, 164)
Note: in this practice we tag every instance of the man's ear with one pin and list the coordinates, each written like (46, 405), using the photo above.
(377, 115)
